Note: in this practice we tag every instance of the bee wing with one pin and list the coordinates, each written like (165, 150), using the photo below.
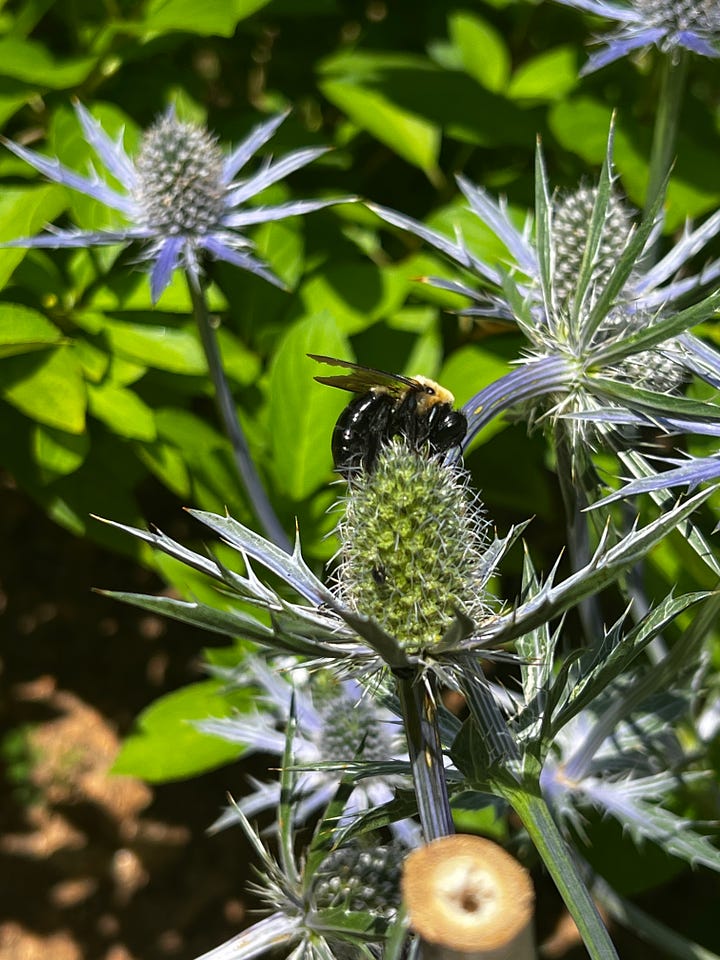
(362, 379)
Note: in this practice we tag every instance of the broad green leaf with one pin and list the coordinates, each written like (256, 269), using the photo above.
(281, 244)
(23, 329)
(30, 61)
(165, 348)
(17, 96)
(215, 18)
(57, 452)
(122, 411)
(187, 431)
(355, 294)
(167, 463)
(580, 125)
(92, 359)
(23, 213)
(303, 413)
(446, 100)
(166, 745)
(48, 387)
(411, 136)
(239, 363)
(549, 76)
(483, 53)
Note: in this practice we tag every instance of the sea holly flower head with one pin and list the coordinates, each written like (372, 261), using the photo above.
(181, 195)
(335, 723)
(667, 24)
(331, 899)
(605, 328)
(414, 544)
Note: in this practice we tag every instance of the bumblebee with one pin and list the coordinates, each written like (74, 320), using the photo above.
(389, 405)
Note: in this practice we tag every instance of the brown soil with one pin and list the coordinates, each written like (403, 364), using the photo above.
(94, 866)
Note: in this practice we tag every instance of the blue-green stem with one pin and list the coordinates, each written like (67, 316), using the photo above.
(574, 472)
(559, 861)
(419, 710)
(226, 408)
(672, 89)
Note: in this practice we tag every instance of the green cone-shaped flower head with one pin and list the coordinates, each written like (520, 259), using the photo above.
(413, 542)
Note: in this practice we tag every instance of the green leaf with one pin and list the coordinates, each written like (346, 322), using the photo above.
(167, 746)
(303, 413)
(165, 348)
(168, 465)
(58, 453)
(23, 212)
(547, 77)
(239, 363)
(122, 411)
(30, 61)
(47, 387)
(355, 294)
(281, 244)
(483, 53)
(23, 329)
(411, 136)
(216, 18)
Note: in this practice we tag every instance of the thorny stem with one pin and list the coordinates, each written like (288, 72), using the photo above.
(223, 398)
(419, 710)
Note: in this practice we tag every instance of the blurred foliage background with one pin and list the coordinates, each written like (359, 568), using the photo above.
(105, 403)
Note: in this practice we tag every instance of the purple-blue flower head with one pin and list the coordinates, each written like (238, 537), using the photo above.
(181, 195)
(666, 24)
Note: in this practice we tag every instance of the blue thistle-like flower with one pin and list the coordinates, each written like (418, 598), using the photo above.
(312, 895)
(605, 330)
(181, 195)
(667, 24)
(336, 722)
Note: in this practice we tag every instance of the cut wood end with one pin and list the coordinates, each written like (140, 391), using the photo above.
(468, 895)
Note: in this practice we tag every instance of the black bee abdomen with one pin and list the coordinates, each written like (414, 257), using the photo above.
(361, 429)
(372, 419)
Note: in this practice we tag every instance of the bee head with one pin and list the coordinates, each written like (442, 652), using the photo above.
(432, 394)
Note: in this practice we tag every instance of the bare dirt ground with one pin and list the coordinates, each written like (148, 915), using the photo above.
(92, 866)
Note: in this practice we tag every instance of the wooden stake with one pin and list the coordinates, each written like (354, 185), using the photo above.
(468, 899)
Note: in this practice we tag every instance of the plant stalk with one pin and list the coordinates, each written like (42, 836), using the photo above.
(226, 409)
(672, 88)
(417, 701)
(558, 858)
